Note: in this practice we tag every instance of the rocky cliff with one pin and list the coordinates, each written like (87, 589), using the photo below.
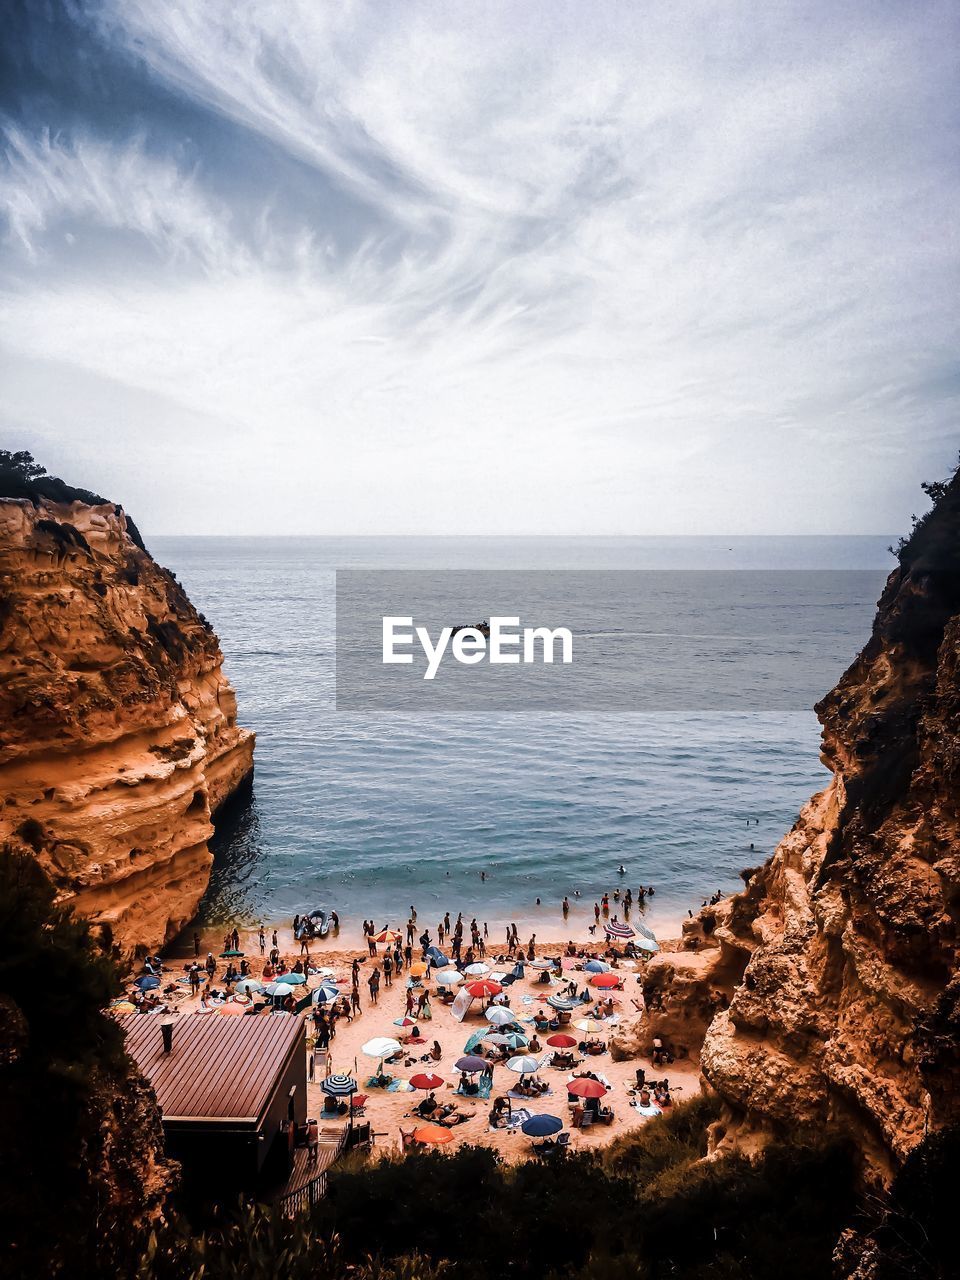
(829, 988)
(118, 729)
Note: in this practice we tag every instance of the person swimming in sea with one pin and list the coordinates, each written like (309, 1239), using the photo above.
(621, 870)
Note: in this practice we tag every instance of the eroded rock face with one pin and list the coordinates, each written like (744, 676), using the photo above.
(118, 732)
(848, 1007)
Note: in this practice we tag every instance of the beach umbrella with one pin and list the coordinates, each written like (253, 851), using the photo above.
(617, 929)
(596, 966)
(471, 1064)
(500, 1016)
(542, 963)
(448, 978)
(280, 990)
(324, 993)
(232, 953)
(584, 1087)
(339, 1086)
(247, 986)
(590, 1025)
(389, 936)
(541, 1126)
(644, 932)
(513, 1039)
(325, 972)
(418, 969)
(381, 1047)
(426, 1080)
(484, 987)
(523, 1064)
(292, 979)
(478, 970)
(561, 1003)
(605, 980)
(647, 944)
(437, 958)
(232, 1008)
(432, 1134)
(404, 1022)
(561, 1042)
(147, 983)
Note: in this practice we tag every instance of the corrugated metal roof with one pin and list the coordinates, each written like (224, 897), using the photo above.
(219, 1068)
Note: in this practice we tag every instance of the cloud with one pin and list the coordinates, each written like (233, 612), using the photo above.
(616, 270)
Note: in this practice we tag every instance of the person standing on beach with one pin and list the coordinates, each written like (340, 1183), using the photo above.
(355, 971)
(411, 929)
(371, 944)
(235, 938)
(276, 940)
(388, 968)
(373, 982)
(195, 978)
(262, 939)
(413, 914)
(355, 1009)
(408, 955)
(398, 958)
(211, 965)
(196, 946)
(409, 1006)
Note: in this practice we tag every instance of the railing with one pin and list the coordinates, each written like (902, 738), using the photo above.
(312, 1192)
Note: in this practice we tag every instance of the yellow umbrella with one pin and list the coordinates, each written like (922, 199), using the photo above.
(590, 1025)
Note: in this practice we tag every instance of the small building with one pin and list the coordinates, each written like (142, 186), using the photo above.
(228, 1089)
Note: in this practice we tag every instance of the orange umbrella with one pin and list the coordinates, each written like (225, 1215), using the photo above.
(388, 935)
(484, 987)
(433, 1134)
(232, 1008)
(418, 970)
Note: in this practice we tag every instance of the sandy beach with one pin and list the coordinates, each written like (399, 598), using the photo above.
(391, 1110)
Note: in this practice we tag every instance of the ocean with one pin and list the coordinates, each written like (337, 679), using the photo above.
(497, 815)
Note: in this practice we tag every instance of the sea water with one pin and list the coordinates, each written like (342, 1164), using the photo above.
(496, 815)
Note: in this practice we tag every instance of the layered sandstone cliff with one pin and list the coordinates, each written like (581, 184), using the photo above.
(118, 729)
(829, 989)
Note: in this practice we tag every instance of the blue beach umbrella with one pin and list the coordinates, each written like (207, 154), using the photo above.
(596, 966)
(148, 982)
(292, 979)
(541, 1126)
(278, 988)
(325, 992)
(561, 1003)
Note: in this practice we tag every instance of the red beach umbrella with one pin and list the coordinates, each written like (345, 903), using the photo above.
(561, 1042)
(605, 980)
(426, 1080)
(584, 1087)
(484, 987)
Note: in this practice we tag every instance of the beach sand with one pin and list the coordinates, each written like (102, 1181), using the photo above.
(389, 1112)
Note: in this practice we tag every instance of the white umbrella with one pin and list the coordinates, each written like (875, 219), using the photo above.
(500, 1016)
(447, 978)
(542, 963)
(523, 1064)
(281, 989)
(477, 970)
(247, 986)
(381, 1047)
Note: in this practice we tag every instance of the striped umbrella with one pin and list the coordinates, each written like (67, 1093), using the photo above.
(590, 1025)
(617, 929)
(339, 1086)
(523, 1064)
(389, 936)
(561, 1003)
(324, 993)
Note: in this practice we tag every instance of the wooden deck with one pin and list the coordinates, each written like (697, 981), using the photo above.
(308, 1178)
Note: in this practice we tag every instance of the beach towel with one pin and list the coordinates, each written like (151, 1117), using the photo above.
(375, 1082)
(484, 1085)
(517, 1117)
(400, 1086)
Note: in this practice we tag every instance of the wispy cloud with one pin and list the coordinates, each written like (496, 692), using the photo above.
(616, 274)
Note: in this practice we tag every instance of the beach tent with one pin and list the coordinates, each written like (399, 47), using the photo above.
(437, 958)
(147, 983)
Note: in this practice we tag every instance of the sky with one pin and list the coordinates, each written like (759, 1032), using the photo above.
(539, 267)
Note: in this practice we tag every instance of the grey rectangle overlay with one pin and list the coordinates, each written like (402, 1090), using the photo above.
(642, 641)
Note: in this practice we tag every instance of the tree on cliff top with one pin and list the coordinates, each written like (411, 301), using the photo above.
(22, 477)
